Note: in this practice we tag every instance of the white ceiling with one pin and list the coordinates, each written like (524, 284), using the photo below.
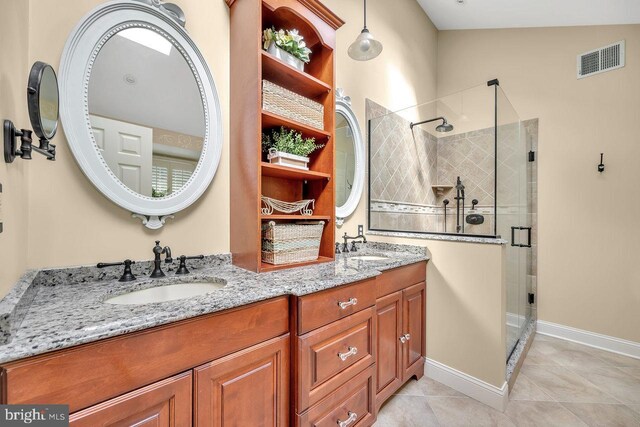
(475, 14)
(164, 95)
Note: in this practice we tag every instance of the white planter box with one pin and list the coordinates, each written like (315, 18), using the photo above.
(289, 160)
(285, 56)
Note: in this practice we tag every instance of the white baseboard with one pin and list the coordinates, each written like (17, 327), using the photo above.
(477, 389)
(591, 339)
(515, 320)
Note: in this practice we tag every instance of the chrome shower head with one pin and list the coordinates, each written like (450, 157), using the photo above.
(444, 127)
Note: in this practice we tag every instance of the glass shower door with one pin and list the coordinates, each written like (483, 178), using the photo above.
(512, 215)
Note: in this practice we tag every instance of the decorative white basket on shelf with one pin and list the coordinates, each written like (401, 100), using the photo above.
(287, 207)
(287, 159)
(291, 243)
(283, 102)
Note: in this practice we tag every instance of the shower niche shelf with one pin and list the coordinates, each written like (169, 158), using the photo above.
(440, 189)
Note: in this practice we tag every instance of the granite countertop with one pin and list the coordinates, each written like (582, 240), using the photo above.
(54, 309)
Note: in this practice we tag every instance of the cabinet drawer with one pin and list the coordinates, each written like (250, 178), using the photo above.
(322, 308)
(330, 356)
(399, 278)
(353, 403)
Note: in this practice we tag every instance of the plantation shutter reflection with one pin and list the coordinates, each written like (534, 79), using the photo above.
(170, 174)
(159, 181)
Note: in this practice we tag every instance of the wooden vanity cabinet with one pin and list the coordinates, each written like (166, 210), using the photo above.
(334, 356)
(249, 388)
(400, 325)
(221, 369)
(389, 326)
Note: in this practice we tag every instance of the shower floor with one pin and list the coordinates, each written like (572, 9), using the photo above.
(561, 383)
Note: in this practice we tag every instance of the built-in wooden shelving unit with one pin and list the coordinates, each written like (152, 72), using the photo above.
(270, 120)
(278, 171)
(251, 175)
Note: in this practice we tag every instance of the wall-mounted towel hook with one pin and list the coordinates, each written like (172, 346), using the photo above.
(601, 165)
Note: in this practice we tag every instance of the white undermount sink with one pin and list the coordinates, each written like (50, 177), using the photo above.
(369, 258)
(166, 293)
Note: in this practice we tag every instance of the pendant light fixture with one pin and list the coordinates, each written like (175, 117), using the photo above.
(365, 47)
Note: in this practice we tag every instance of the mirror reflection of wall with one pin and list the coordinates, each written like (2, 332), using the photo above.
(345, 160)
(146, 112)
(49, 102)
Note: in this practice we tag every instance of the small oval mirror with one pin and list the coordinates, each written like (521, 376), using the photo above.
(42, 97)
(345, 159)
(350, 158)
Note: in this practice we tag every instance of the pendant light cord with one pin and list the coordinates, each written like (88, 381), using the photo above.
(365, 14)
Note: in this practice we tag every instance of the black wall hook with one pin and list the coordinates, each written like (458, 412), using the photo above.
(601, 165)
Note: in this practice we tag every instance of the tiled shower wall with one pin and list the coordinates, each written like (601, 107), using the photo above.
(471, 157)
(403, 161)
(405, 164)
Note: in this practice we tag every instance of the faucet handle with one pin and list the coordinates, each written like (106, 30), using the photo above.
(127, 275)
(354, 248)
(182, 269)
(338, 251)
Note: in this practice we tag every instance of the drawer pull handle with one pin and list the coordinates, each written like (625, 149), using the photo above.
(352, 417)
(344, 304)
(352, 352)
(403, 339)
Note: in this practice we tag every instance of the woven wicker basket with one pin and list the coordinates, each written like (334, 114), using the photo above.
(283, 102)
(291, 243)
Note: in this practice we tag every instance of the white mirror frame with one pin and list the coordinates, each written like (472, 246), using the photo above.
(343, 106)
(80, 52)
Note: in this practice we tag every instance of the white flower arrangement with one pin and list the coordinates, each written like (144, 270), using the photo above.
(290, 41)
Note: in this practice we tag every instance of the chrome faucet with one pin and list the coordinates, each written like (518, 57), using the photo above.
(157, 262)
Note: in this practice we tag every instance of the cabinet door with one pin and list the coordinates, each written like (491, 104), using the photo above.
(165, 403)
(389, 347)
(413, 329)
(248, 388)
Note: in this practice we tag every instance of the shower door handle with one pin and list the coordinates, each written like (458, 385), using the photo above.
(513, 238)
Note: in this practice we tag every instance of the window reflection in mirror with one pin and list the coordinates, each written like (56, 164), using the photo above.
(146, 112)
(345, 160)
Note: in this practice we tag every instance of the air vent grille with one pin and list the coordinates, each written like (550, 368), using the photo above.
(600, 60)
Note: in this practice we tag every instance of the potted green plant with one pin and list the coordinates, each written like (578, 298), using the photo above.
(287, 147)
(288, 46)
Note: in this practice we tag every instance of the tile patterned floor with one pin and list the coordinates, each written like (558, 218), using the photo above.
(560, 384)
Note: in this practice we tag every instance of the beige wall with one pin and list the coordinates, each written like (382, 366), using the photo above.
(588, 232)
(13, 106)
(403, 75)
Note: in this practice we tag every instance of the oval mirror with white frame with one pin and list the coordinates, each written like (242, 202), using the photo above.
(140, 109)
(350, 159)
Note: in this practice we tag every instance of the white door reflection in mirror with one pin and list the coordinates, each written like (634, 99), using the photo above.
(128, 151)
